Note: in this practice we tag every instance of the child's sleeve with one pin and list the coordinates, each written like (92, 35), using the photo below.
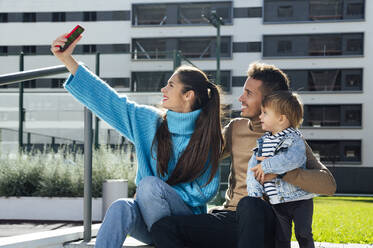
(294, 156)
(254, 188)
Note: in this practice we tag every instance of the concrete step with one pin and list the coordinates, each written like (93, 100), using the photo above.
(129, 243)
(71, 238)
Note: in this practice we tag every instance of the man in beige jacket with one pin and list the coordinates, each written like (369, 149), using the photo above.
(243, 221)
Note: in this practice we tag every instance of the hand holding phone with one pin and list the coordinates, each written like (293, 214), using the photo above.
(61, 43)
(73, 35)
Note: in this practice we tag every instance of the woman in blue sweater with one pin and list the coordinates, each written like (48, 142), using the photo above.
(177, 151)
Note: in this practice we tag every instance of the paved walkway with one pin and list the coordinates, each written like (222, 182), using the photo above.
(130, 242)
(12, 228)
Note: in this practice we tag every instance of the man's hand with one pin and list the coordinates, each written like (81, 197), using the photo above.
(260, 158)
(258, 172)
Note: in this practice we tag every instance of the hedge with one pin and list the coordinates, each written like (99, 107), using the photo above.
(60, 174)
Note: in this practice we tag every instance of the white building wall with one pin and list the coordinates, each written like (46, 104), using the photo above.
(121, 65)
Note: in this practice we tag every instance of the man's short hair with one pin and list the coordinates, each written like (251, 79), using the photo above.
(273, 79)
(285, 103)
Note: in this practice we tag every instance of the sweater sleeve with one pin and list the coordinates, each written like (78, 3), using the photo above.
(316, 179)
(196, 193)
(125, 116)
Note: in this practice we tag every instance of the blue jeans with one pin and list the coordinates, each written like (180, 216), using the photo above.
(155, 199)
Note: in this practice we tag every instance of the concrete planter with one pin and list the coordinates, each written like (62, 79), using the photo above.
(47, 208)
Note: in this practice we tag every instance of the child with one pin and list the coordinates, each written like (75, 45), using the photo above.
(279, 150)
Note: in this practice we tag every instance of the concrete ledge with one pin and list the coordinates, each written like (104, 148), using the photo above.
(47, 239)
(129, 243)
(64, 238)
(72, 238)
(47, 208)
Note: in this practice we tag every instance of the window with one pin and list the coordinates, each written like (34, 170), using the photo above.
(247, 47)
(44, 16)
(29, 17)
(284, 46)
(225, 79)
(69, 16)
(192, 13)
(149, 15)
(113, 48)
(113, 15)
(3, 50)
(332, 115)
(3, 17)
(313, 45)
(255, 46)
(89, 16)
(150, 49)
(353, 80)
(196, 48)
(29, 49)
(58, 17)
(191, 47)
(179, 13)
(325, 45)
(252, 12)
(29, 84)
(337, 151)
(354, 45)
(238, 81)
(285, 11)
(312, 10)
(89, 48)
(326, 79)
(57, 82)
(149, 81)
(122, 83)
(153, 81)
(326, 9)
(319, 115)
(355, 10)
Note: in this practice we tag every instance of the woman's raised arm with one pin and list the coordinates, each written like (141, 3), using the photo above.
(65, 57)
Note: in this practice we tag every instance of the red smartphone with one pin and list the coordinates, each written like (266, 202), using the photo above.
(73, 35)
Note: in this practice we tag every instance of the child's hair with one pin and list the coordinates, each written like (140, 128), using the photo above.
(285, 103)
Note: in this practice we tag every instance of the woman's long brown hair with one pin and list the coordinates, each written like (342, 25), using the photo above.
(206, 142)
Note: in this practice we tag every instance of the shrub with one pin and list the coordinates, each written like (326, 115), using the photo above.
(61, 174)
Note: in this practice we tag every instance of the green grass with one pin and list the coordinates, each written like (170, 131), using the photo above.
(338, 219)
(343, 220)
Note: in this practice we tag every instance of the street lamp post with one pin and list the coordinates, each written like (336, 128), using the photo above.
(216, 21)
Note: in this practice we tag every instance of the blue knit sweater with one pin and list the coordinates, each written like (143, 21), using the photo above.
(139, 123)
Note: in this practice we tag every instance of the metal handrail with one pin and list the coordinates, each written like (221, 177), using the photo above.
(19, 77)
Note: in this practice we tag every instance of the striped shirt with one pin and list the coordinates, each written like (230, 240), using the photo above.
(267, 148)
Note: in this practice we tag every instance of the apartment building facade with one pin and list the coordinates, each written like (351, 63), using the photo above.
(324, 47)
